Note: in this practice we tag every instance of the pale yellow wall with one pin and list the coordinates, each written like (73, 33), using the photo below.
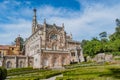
(11, 51)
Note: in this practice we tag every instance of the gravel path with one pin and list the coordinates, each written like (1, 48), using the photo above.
(54, 77)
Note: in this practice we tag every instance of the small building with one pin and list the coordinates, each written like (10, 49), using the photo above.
(11, 56)
(11, 49)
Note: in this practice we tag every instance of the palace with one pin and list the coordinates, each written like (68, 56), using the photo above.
(48, 46)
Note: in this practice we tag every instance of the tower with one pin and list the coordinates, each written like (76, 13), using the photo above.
(34, 22)
(18, 43)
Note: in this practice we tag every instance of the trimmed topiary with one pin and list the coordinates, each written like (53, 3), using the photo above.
(3, 73)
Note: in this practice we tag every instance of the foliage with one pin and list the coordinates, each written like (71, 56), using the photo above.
(21, 42)
(3, 73)
(103, 35)
(104, 45)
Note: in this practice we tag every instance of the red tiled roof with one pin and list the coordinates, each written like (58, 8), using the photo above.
(4, 47)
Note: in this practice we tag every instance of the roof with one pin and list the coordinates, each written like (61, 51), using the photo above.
(41, 27)
(51, 26)
(5, 47)
(72, 41)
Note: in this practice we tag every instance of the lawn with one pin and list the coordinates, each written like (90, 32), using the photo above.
(104, 72)
(31, 74)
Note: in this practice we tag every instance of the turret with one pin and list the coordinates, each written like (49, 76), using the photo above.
(44, 32)
(18, 44)
(34, 22)
(18, 41)
(63, 25)
(44, 25)
(71, 35)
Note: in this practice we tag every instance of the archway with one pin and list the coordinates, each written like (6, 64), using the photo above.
(55, 62)
(9, 64)
(21, 64)
(63, 61)
(45, 62)
(30, 63)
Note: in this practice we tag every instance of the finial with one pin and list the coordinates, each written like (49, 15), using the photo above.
(63, 25)
(44, 21)
(70, 34)
(34, 12)
(54, 24)
(19, 35)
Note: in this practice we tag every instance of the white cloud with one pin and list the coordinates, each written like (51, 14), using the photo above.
(11, 31)
(94, 19)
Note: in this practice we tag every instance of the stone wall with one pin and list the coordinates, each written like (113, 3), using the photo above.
(12, 61)
(102, 57)
(55, 60)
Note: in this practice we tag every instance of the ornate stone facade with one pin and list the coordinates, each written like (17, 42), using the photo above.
(50, 46)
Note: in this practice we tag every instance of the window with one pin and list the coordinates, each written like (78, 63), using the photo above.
(54, 47)
(53, 36)
(12, 48)
(72, 54)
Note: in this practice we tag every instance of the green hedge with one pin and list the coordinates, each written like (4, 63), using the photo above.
(19, 71)
(3, 73)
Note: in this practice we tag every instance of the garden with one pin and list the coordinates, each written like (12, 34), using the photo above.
(98, 72)
(82, 71)
(31, 74)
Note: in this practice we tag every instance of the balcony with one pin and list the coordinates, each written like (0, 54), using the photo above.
(55, 51)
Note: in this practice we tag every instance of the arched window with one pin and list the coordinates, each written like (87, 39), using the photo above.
(21, 64)
(9, 64)
(54, 46)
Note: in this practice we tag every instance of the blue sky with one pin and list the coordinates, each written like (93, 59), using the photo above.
(85, 19)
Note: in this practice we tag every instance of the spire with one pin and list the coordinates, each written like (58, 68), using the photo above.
(71, 35)
(63, 25)
(34, 22)
(44, 21)
(34, 14)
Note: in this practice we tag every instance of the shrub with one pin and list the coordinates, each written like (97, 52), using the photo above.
(3, 73)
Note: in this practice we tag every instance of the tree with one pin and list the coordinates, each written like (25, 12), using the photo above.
(103, 36)
(118, 22)
(116, 34)
(95, 46)
(21, 42)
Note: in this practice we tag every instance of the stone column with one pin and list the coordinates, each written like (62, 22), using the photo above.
(60, 60)
(51, 61)
(76, 55)
(27, 61)
(16, 63)
(81, 56)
